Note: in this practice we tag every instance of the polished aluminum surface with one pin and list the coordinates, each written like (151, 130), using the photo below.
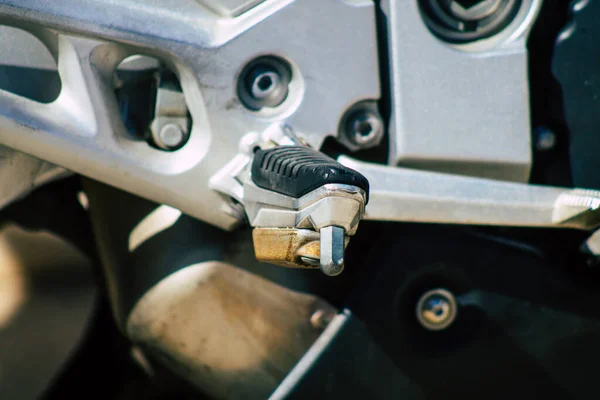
(332, 204)
(82, 130)
(332, 250)
(233, 334)
(460, 109)
(401, 194)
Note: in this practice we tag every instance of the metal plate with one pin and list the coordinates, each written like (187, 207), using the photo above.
(83, 132)
(459, 109)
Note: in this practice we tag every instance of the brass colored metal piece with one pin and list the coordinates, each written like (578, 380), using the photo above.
(288, 247)
(285, 246)
(227, 331)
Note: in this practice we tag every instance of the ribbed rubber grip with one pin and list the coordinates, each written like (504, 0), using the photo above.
(295, 171)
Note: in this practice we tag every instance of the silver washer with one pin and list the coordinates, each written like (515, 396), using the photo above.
(265, 84)
(436, 309)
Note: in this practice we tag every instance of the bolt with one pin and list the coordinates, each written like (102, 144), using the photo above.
(264, 83)
(170, 137)
(436, 309)
(545, 138)
(365, 128)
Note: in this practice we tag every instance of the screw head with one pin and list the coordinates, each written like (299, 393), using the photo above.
(436, 309)
(365, 128)
(264, 82)
(170, 136)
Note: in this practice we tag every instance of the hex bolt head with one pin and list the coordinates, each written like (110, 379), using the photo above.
(437, 310)
(365, 128)
(170, 137)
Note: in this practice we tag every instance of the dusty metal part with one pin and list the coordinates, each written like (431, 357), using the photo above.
(332, 204)
(332, 212)
(284, 225)
(289, 247)
(460, 109)
(401, 194)
(233, 334)
(286, 246)
(82, 130)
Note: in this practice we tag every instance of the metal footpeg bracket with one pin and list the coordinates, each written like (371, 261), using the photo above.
(304, 206)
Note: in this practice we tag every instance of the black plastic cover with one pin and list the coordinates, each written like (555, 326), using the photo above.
(295, 171)
(576, 66)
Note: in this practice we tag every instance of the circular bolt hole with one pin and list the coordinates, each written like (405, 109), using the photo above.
(264, 82)
(364, 128)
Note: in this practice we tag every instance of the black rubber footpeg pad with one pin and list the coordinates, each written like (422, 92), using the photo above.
(295, 171)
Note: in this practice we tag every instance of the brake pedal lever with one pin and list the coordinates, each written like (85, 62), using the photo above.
(407, 195)
(304, 207)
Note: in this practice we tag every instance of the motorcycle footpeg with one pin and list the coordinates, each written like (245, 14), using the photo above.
(304, 206)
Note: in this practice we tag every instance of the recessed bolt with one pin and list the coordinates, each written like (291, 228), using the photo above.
(436, 309)
(264, 83)
(170, 137)
(365, 128)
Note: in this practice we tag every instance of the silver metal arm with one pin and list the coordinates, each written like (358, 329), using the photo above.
(401, 194)
(83, 131)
